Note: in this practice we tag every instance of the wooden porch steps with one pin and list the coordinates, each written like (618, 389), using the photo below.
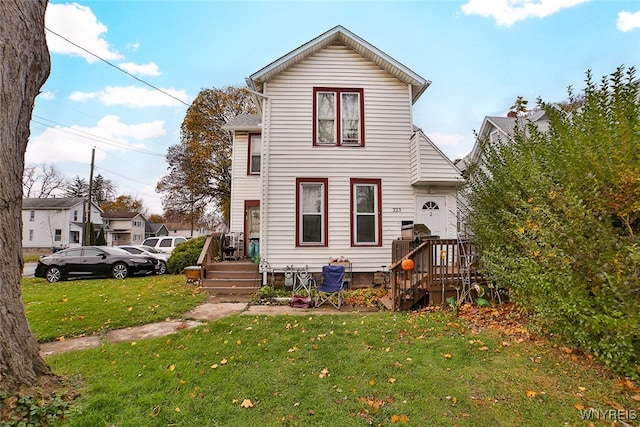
(230, 278)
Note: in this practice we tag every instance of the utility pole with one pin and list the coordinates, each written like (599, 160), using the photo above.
(89, 226)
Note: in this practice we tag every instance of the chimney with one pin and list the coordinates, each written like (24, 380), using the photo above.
(512, 114)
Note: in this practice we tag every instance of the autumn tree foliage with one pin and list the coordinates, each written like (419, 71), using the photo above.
(24, 67)
(556, 219)
(124, 203)
(200, 165)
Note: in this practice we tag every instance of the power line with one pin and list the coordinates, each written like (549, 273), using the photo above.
(118, 68)
(93, 137)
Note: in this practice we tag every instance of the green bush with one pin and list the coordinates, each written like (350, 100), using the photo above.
(556, 216)
(185, 255)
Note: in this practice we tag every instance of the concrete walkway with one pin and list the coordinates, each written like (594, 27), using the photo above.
(206, 312)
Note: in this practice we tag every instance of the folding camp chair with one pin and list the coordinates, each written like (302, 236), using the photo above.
(330, 286)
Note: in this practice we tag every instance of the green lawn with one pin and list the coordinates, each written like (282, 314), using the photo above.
(418, 369)
(79, 307)
(352, 370)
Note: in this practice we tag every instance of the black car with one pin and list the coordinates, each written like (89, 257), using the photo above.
(93, 261)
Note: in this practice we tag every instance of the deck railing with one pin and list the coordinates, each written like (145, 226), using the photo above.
(440, 267)
(211, 251)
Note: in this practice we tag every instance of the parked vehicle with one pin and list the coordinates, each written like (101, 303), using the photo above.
(162, 257)
(165, 244)
(93, 261)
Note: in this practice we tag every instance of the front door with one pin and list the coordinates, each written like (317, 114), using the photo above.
(251, 222)
(431, 211)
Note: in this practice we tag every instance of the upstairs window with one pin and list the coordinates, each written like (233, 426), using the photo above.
(338, 117)
(255, 148)
(32, 216)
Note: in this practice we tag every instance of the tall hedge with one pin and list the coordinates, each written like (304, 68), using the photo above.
(556, 215)
(185, 254)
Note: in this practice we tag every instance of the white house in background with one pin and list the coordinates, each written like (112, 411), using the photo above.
(56, 222)
(501, 130)
(332, 166)
(498, 130)
(184, 229)
(124, 228)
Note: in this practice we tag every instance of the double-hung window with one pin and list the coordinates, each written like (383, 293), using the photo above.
(338, 117)
(255, 147)
(311, 211)
(366, 212)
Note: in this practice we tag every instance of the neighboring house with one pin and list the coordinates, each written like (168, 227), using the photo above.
(56, 222)
(333, 166)
(124, 228)
(153, 229)
(498, 130)
(501, 130)
(184, 229)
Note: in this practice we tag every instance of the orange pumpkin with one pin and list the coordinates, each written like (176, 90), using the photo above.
(407, 264)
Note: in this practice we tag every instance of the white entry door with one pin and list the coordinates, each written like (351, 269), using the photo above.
(432, 212)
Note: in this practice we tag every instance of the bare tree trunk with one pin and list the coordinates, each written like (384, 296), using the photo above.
(24, 67)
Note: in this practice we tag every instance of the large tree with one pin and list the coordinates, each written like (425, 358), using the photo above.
(200, 166)
(24, 67)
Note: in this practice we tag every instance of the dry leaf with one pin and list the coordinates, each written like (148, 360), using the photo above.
(223, 362)
(246, 404)
(531, 393)
(171, 367)
(636, 397)
(579, 406)
(392, 380)
(446, 356)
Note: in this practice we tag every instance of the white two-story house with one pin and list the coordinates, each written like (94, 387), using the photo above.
(333, 165)
(56, 222)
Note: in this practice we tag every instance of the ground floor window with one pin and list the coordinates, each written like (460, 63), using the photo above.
(311, 211)
(57, 235)
(366, 212)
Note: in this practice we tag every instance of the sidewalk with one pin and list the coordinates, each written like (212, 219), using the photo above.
(206, 312)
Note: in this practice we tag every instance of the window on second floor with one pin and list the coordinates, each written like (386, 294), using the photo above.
(32, 216)
(311, 211)
(75, 215)
(255, 148)
(138, 224)
(338, 117)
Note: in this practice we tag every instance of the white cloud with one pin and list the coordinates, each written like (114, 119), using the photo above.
(133, 96)
(48, 95)
(446, 139)
(508, 12)
(78, 24)
(627, 21)
(150, 69)
(74, 144)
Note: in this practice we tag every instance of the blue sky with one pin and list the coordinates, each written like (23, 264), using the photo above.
(479, 55)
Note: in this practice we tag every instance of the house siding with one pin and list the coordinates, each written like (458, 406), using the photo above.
(385, 156)
(243, 186)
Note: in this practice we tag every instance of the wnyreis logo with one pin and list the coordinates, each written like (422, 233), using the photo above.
(609, 414)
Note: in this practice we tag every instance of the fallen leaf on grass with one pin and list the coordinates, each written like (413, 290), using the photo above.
(323, 373)
(399, 419)
(531, 393)
(447, 356)
(246, 403)
(636, 397)
(579, 406)
(392, 380)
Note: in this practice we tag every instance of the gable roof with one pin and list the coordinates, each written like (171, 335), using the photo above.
(340, 35)
(52, 202)
(506, 127)
(120, 215)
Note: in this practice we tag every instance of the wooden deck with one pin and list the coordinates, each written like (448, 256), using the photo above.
(443, 268)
